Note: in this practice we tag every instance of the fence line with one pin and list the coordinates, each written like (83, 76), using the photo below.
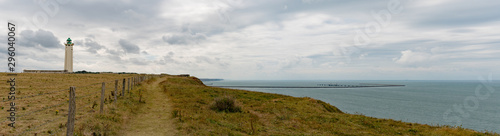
(39, 110)
(127, 83)
(87, 95)
(45, 108)
(19, 98)
(49, 107)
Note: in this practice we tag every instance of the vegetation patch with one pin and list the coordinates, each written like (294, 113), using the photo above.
(202, 110)
(225, 104)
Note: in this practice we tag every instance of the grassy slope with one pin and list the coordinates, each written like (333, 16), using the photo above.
(273, 114)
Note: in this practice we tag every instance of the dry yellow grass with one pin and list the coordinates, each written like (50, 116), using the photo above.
(47, 113)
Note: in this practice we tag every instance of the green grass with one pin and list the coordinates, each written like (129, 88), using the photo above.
(274, 114)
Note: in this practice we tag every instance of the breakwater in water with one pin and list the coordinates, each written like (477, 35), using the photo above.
(332, 85)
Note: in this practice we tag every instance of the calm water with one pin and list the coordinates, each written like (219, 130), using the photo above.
(429, 102)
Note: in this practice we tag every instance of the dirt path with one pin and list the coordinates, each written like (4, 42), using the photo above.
(153, 118)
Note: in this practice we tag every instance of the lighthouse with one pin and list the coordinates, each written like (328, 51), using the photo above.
(68, 56)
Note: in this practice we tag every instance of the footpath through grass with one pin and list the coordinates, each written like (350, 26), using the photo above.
(273, 114)
(145, 111)
(152, 118)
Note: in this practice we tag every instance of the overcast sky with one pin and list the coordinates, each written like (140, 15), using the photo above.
(262, 39)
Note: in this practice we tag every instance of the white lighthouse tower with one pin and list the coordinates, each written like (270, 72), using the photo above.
(68, 57)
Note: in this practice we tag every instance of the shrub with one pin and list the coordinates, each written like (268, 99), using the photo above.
(226, 104)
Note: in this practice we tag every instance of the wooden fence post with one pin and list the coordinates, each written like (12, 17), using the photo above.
(102, 97)
(140, 95)
(128, 85)
(71, 112)
(123, 86)
(116, 88)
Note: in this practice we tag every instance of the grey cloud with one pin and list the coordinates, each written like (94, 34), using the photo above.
(212, 61)
(108, 10)
(78, 25)
(184, 39)
(133, 14)
(293, 62)
(141, 62)
(167, 59)
(453, 22)
(190, 34)
(272, 11)
(129, 47)
(114, 55)
(460, 30)
(92, 46)
(200, 59)
(455, 14)
(40, 38)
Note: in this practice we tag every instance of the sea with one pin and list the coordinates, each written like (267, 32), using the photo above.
(473, 104)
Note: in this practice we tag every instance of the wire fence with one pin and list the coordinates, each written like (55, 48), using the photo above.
(115, 88)
(37, 95)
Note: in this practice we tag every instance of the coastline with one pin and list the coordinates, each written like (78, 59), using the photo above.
(276, 114)
(423, 101)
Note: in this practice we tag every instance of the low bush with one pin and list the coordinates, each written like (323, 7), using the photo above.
(225, 104)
